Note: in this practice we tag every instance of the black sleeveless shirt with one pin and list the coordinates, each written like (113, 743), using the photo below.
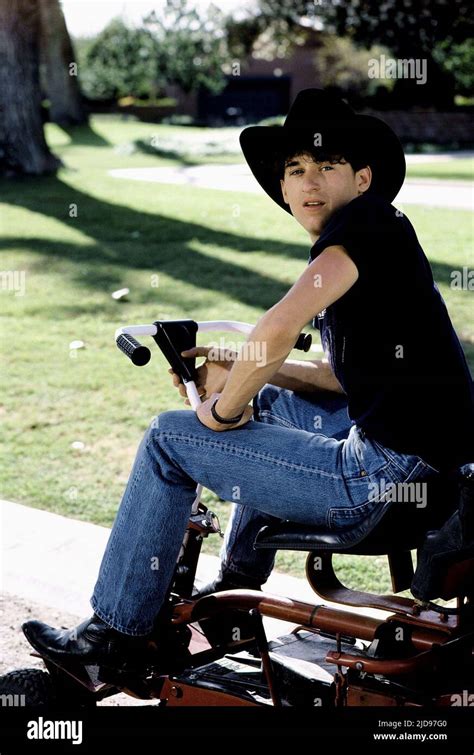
(391, 343)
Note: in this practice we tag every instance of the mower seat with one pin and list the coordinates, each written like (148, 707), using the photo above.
(394, 529)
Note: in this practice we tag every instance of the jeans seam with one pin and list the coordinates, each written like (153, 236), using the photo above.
(282, 420)
(387, 453)
(364, 475)
(429, 466)
(419, 463)
(357, 438)
(349, 513)
(231, 448)
(392, 459)
(240, 515)
(105, 567)
(334, 510)
(114, 624)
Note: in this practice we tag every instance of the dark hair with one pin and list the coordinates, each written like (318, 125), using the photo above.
(331, 154)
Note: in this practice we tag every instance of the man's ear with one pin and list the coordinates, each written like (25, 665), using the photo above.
(364, 179)
(283, 191)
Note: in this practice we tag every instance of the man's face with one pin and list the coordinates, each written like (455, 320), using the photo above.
(315, 191)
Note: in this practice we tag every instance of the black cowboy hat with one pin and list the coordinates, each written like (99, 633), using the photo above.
(341, 131)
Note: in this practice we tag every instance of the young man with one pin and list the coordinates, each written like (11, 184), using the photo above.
(394, 404)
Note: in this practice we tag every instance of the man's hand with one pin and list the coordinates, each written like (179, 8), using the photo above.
(211, 375)
(205, 417)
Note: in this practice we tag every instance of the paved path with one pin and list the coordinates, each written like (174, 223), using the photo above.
(237, 177)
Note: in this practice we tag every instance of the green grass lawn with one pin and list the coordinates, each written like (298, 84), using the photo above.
(183, 252)
(458, 169)
(192, 145)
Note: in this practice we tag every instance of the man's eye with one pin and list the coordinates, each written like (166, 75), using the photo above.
(300, 170)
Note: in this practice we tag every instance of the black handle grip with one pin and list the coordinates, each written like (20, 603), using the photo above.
(173, 337)
(304, 341)
(138, 354)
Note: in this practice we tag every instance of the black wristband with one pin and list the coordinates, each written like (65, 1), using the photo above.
(222, 420)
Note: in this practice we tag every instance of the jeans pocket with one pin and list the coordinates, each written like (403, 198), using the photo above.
(361, 457)
(406, 464)
(366, 493)
(346, 517)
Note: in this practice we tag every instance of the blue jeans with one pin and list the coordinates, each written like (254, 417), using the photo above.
(299, 458)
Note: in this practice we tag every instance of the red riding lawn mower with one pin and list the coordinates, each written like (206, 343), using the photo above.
(417, 654)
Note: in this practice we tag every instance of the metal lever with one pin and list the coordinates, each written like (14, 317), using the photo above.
(262, 645)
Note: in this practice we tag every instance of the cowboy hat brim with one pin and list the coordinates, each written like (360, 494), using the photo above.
(369, 136)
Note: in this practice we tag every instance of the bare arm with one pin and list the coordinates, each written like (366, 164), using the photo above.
(323, 282)
(306, 376)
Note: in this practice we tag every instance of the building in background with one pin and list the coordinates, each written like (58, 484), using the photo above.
(260, 88)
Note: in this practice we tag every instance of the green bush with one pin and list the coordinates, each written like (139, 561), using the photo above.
(121, 62)
(339, 63)
(178, 46)
(458, 59)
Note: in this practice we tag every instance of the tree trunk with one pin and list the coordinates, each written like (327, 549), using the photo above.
(23, 148)
(59, 67)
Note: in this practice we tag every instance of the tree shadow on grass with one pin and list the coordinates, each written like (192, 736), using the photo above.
(170, 154)
(105, 267)
(123, 238)
(85, 135)
(126, 238)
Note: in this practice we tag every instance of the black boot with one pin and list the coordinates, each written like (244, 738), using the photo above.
(232, 626)
(227, 580)
(91, 642)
